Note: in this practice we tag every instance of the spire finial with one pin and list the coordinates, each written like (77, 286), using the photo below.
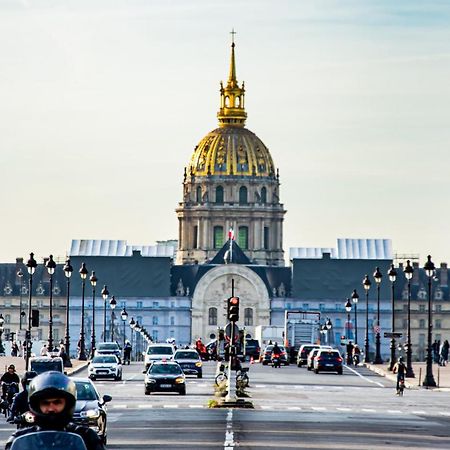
(232, 32)
(232, 76)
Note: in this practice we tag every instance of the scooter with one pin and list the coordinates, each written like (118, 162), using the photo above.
(276, 361)
(355, 359)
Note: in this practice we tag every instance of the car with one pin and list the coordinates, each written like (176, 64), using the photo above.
(165, 376)
(105, 366)
(108, 348)
(252, 348)
(157, 352)
(266, 357)
(312, 354)
(90, 408)
(328, 360)
(41, 364)
(190, 361)
(302, 354)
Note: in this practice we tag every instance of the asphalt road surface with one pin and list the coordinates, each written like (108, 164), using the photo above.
(293, 408)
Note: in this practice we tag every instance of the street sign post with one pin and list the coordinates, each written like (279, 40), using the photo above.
(392, 335)
(228, 332)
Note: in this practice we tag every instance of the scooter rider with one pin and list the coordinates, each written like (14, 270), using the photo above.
(52, 398)
(20, 402)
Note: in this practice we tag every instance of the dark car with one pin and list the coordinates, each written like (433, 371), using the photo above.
(303, 351)
(165, 376)
(329, 360)
(41, 364)
(90, 409)
(252, 349)
(266, 357)
(190, 361)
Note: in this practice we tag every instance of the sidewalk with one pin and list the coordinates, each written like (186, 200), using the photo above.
(19, 362)
(441, 375)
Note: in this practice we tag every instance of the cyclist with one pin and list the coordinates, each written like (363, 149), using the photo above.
(400, 370)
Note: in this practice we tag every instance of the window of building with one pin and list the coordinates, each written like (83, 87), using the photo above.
(338, 322)
(212, 316)
(219, 194)
(422, 294)
(172, 333)
(199, 194)
(438, 295)
(421, 340)
(172, 304)
(123, 304)
(55, 335)
(337, 306)
(172, 320)
(39, 333)
(218, 237)
(263, 195)
(438, 308)
(155, 335)
(404, 324)
(139, 319)
(7, 302)
(321, 306)
(7, 318)
(305, 306)
(248, 316)
(422, 323)
(422, 308)
(139, 304)
(288, 305)
(7, 334)
(195, 237)
(243, 195)
(243, 237)
(155, 304)
(155, 320)
(266, 238)
(437, 324)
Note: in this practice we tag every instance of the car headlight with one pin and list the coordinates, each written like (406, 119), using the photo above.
(90, 413)
(150, 380)
(179, 380)
(198, 364)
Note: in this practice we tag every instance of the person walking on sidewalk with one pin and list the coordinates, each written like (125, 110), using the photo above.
(443, 353)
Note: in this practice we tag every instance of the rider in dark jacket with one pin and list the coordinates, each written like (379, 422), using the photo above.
(20, 402)
(52, 398)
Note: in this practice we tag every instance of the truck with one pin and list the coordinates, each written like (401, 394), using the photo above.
(266, 333)
(300, 327)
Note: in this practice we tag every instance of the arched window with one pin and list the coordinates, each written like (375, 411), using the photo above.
(218, 237)
(242, 195)
(219, 194)
(227, 102)
(263, 195)
(199, 194)
(422, 323)
(248, 316)
(237, 101)
(212, 316)
(243, 237)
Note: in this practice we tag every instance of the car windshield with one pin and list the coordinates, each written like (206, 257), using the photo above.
(108, 347)
(330, 354)
(85, 391)
(160, 351)
(45, 366)
(104, 360)
(170, 369)
(186, 355)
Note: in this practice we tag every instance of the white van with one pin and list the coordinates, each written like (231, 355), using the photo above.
(157, 352)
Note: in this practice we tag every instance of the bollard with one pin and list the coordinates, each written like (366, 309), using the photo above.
(420, 375)
(439, 375)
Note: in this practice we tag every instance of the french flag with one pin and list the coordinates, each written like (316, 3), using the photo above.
(231, 234)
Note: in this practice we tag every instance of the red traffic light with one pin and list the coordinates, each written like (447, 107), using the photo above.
(234, 300)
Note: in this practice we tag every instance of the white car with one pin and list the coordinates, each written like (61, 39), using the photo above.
(105, 366)
(158, 352)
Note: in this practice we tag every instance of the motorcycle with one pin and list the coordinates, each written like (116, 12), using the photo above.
(276, 362)
(49, 440)
(356, 360)
(9, 390)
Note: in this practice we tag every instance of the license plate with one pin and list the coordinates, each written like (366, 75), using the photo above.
(102, 372)
(329, 365)
(166, 385)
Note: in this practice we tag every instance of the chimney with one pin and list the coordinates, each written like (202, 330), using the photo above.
(415, 279)
(443, 275)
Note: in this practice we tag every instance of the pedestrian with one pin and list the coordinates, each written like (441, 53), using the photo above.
(436, 349)
(14, 349)
(443, 353)
(63, 355)
(349, 353)
(127, 352)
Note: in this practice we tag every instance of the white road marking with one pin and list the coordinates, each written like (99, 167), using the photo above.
(229, 434)
(394, 411)
(363, 377)
(294, 408)
(418, 412)
(368, 410)
(171, 406)
(145, 406)
(443, 413)
(195, 406)
(318, 408)
(120, 406)
(344, 409)
(266, 407)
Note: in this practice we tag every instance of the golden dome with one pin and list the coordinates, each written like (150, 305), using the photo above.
(231, 149)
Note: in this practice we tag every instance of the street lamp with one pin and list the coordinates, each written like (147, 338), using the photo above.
(378, 276)
(137, 329)
(429, 379)
(392, 274)
(2, 321)
(68, 269)
(105, 295)
(408, 271)
(51, 266)
(112, 304)
(366, 285)
(348, 308)
(82, 348)
(31, 268)
(20, 275)
(355, 298)
(132, 324)
(124, 316)
(93, 279)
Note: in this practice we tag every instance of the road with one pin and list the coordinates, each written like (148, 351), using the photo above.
(294, 408)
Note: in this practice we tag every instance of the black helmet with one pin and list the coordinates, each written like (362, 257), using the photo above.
(27, 377)
(52, 384)
(400, 359)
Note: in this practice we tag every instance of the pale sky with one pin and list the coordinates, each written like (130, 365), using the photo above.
(102, 103)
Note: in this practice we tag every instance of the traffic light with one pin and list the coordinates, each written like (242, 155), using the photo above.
(35, 318)
(233, 309)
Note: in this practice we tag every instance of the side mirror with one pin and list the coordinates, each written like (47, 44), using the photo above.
(106, 398)
(143, 353)
(144, 371)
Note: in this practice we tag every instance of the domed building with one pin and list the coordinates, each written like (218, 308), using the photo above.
(231, 184)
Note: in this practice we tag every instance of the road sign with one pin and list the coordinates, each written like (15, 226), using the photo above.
(392, 335)
(228, 332)
(377, 328)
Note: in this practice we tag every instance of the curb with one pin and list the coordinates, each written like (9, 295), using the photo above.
(77, 369)
(388, 376)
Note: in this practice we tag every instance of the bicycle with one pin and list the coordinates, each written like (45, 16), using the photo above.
(242, 378)
(401, 387)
